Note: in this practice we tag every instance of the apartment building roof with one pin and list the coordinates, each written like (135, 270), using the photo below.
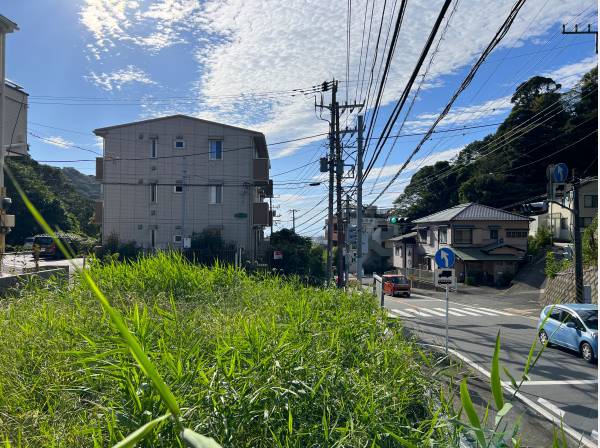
(7, 25)
(99, 131)
(471, 211)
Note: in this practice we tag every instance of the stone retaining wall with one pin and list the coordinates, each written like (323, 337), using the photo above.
(561, 289)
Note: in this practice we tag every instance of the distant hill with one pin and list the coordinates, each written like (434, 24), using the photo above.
(60, 200)
(506, 168)
(84, 183)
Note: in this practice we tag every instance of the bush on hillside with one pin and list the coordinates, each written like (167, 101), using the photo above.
(590, 243)
(542, 239)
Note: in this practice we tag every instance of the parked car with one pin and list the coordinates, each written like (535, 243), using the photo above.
(48, 247)
(28, 245)
(396, 285)
(573, 326)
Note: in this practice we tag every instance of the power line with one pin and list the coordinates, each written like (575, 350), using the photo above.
(495, 41)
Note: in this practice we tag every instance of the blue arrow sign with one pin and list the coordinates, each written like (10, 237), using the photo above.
(560, 173)
(445, 257)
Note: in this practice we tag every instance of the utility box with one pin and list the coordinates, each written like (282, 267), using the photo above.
(7, 220)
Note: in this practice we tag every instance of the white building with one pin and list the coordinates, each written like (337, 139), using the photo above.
(167, 178)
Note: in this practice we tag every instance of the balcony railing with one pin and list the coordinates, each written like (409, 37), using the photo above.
(260, 214)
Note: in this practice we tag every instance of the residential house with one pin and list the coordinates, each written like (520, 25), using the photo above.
(167, 178)
(559, 218)
(488, 242)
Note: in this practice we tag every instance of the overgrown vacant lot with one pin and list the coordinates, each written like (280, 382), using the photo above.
(253, 362)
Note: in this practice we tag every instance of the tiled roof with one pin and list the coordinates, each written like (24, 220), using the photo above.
(475, 254)
(471, 211)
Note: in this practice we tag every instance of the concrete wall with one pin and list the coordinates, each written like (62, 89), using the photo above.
(128, 210)
(15, 109)
(561, 289)
(9, 282)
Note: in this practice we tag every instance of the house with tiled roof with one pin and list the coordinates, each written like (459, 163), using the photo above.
(488, 242)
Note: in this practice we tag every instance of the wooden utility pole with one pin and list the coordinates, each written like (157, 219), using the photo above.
(293, 219)
(577, 242)
(359, 211)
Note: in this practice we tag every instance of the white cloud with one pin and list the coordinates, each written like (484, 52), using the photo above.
(569, 75)
(153, 28)
(116, 79)
(58, 141)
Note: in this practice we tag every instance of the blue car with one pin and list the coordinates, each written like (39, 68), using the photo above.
(573, 326)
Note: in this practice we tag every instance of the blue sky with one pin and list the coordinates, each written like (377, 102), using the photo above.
(92, 63)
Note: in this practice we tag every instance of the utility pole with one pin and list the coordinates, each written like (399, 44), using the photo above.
(346, 233)
(339, 172)
(577, 242)
(6, 26)
(359, 211)
(577, 31)
(331, 173)
(271, 212)
(293, 219)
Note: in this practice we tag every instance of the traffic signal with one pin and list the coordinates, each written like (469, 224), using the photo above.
(396, 220)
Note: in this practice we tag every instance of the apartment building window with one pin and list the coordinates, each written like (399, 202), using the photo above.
(177, 238)
(179, 143)
(153, 193)
(443, 235)
(215, 149)
(153, 150)
(590, 201)
(493, 234)
(178, 187)
(463, 236)
(216, 194)
(153, 238)
(586, 221)
(516, 233)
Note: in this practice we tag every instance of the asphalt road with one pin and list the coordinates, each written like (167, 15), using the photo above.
(562, 385)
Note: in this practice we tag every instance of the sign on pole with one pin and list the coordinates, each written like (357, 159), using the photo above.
(277, 255)
(445, 257)
(560, 171)
(444, 277)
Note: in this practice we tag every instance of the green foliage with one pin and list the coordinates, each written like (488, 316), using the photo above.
(497, 170)
(251, 361)
(85, 184)
(299, 256)
(114, 249)
(63, 207)
(589, 243)
(554, 266)
(542, 239)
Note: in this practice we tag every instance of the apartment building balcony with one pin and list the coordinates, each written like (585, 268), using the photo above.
(260, 171)
(98, 209)
(260, 215)
(99, 169)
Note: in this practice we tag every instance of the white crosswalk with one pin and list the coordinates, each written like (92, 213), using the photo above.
(414, 311)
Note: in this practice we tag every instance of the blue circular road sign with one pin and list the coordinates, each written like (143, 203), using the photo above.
(445, 257)
(560, 172)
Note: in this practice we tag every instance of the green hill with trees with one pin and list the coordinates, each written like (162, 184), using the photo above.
(545, 126)
(55, 196)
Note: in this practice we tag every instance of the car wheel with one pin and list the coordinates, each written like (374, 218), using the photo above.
(587, 352)
(408, 295)
(544, 338)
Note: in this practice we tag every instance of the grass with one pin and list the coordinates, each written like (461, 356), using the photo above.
(252, 361)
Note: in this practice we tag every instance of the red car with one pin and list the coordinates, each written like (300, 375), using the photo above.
(396, 285)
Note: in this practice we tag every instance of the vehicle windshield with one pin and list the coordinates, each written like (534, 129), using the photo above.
(43, 240)
(397, 280)
(590, 318)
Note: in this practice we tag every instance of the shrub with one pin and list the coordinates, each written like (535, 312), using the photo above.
(554, 266)
(542, 238)
(590, 243)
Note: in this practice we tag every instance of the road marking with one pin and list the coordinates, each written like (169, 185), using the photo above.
(579, 437)
(451, 312)
(504, 313)
(477, 310)
(469, 313)
(417, 312)
(559, 382)
(553, 408)
(400, 313)
(435, 313)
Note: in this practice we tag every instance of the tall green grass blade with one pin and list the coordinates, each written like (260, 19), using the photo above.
(195, 440)
(131, 342)
(467, 404)
(132, 439)
(495, 376)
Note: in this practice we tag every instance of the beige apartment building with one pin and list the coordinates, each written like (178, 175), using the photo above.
(166, 178)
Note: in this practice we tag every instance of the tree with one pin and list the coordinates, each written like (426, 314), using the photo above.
(590, 243)
(299, 255)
